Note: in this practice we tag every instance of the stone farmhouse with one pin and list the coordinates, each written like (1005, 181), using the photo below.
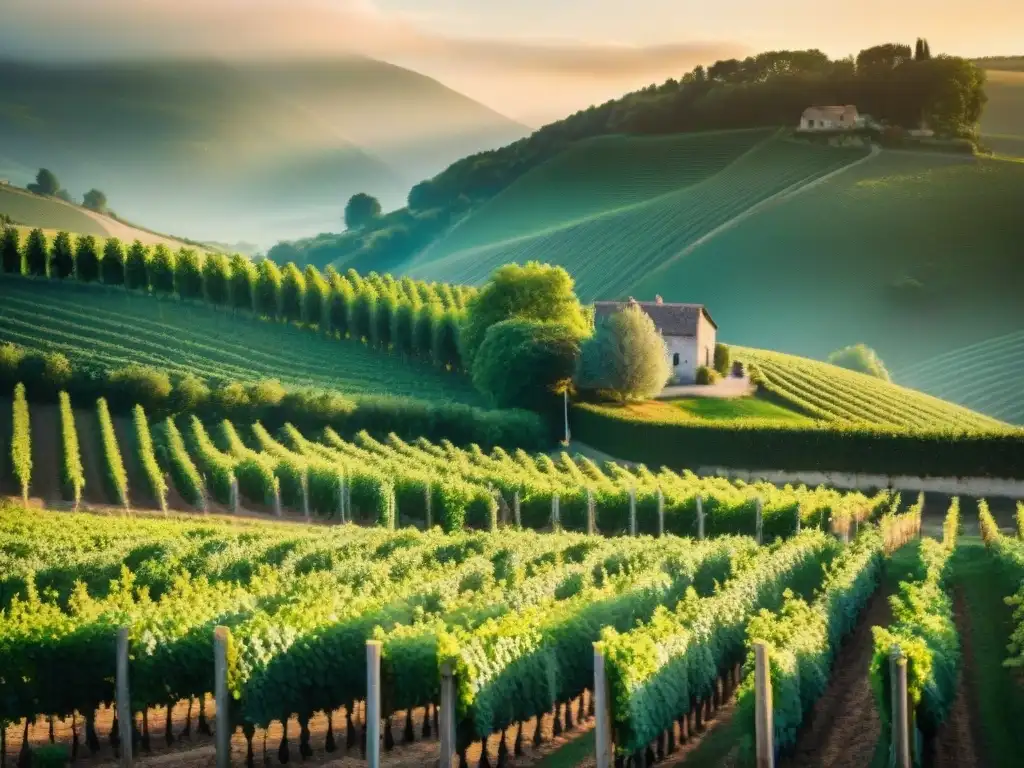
(831, 118)
(688, 330)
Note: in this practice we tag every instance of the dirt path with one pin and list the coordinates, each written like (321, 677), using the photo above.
(46, 452)
(138, 488)
(91, 449)
(959, 740)
(843, 729)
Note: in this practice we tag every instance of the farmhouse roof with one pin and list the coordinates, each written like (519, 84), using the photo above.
(670, 319)
(829, 112)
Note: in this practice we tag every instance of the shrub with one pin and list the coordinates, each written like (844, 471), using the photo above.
(707, 375)
(11, 356)
(523, 363)
(49, 756)
(723, 359)
(190, 393)
(538, 292)
(139, 385)
(626, 356)
(45, 373)
(860, 358)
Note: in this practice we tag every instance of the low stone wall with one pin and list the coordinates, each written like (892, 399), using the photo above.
(955, 486)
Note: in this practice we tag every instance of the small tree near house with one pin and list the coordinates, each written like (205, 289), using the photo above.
(723, 358)
(626, 357)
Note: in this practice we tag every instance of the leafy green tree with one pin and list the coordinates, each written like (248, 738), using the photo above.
(537, 291)
(188, 274)
(882, 58)
(723, 359)
(215, 279)
(293, 290)
(161, 270)
(362, 311)
(112, 266)
(383, 317)
(407, 289)
(10, 250)
(95, 200)
(46, 183)
(87, 259)
(446, 340)
(243, 281)
(267, 289)
(626, 356)
(402, 328)
(341, 300)
(136, 272)
(315, 301)
(62, 256)
(427, 316)
(361, 210)
(860, 358)
(524, 363)
(35, 253)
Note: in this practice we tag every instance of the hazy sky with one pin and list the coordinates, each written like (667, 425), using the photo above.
(534, 60)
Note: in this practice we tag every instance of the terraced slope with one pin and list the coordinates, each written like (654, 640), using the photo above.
(828, 392)
(985, 376)
(607, 253)
(111, 329)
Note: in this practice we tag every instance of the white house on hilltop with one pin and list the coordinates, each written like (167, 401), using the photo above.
(688, 330)
(831, 118)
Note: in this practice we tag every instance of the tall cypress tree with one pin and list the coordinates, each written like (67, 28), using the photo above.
(62, 256)
(87, 259)
(136, 272)
(35, 253)
(112, 266)
(10, 250)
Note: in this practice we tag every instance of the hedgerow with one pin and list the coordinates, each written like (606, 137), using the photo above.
(114, 471)
(21, 442)
(147, 457)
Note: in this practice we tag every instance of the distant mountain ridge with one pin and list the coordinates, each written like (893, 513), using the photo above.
(241, 150)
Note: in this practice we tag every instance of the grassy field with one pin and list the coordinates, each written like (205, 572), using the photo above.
(610, 250)
(90, 324)
(1002, 123)
(835, 394)
(52, 215)
(735, 408)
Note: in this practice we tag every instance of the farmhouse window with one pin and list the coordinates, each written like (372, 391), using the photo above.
(675, 359)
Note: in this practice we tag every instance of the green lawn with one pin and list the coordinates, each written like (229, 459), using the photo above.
(719, 408)
(110, 328)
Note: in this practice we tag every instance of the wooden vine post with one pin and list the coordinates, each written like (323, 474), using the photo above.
(556, 520)
(305, 494)
(900, 709)
(277, 498)
(799, 510)
(341, 495)
(446, 721)
(235, 502)
(661, 512)
(632, 511)
(222, 734)
(373, 717)
(602, 714)
(763, 722)
(591, 513)
(700, 518)
(517, 510)
(428, 501)
(123, 698)
(759, 521)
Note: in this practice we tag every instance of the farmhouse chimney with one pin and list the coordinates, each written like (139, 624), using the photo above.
(657, 300)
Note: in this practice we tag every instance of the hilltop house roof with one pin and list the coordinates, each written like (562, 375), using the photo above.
(669, 319)
(831, 113)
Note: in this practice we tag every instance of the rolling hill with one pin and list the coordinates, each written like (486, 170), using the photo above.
(631, 211)
(220, 151)
(110, 329)
(52, 215)
(1002, 123)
